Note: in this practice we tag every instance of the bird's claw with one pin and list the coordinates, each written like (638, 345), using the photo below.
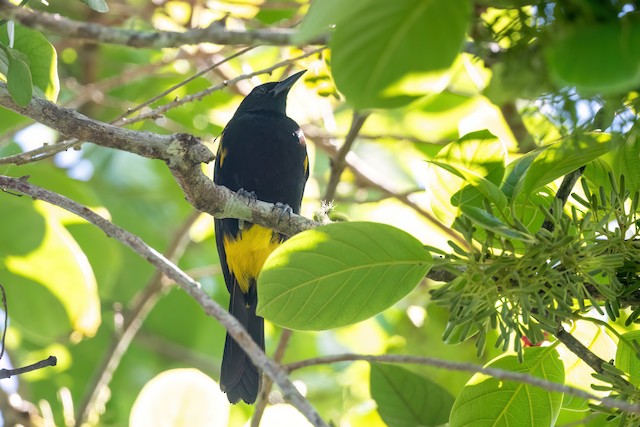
(285, 210)
(249, 195)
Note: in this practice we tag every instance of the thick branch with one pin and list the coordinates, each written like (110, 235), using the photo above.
(183, 154)
(216, 33)
(213, 309)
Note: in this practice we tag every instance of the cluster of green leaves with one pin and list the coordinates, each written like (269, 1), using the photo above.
(522, 278)
(28, 63)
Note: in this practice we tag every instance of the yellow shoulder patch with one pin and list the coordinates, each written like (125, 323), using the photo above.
(247, 253)
(222, 154)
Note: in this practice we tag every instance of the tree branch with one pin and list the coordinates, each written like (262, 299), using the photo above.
(183, 154)
(211, 308)
(132, 322)
(8, 373)
(338, 162)
(215, 33)
(469, 367)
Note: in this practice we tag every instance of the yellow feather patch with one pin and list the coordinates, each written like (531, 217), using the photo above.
(246, 254)
(222, 153)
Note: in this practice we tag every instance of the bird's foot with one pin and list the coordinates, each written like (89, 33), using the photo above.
(249, 195)
(285, 210)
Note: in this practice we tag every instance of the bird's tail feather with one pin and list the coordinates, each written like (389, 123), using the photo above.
(240, 378)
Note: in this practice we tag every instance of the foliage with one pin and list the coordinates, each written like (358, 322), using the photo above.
(480, 119)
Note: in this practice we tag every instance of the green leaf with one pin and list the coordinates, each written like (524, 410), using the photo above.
(339, 274)
(627, 162)
(406, 399)
(516, 171)
(487, 401)
(41, 59)
(488, 189)
(477, 158)
(559, 159)
(626, 358)
(324, 14)
(49, 257)
(490, 222)
(393, 52)
(19, 78)
(603, 58)
(97, 5)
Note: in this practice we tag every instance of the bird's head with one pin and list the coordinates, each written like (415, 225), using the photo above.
(269, 96)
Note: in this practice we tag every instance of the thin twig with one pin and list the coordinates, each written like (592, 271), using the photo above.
(179, 85)
(8, 373)
(512, 117)
(339, 162)
(580, 350)
(469, 367)
(190, 286)
(199, 95)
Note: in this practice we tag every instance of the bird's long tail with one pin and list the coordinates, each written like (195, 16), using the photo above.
(240, 378)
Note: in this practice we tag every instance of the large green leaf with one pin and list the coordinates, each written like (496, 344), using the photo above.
(42, 60)
(602, 58)
(48, 255)
(488, 401)
(393, 52)
(339, 274)
(324, 14)
(406, 399)
(566, 156)
(19, 78)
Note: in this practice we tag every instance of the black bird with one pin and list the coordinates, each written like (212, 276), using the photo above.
(262, 154)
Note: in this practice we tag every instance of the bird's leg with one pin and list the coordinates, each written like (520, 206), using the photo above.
(285, 210)
(249, 195)
(251, 198)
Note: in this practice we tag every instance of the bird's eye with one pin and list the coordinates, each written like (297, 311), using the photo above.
(261, 90)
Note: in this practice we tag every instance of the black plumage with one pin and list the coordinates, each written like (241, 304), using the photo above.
(263, 153)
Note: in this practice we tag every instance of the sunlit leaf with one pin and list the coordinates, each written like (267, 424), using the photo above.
(181, 398)
(339, 274)
(283, 415)
(374, 59)
(487, 401)
(478, 160)
(53, 259)
(557, 160)
(324, 14)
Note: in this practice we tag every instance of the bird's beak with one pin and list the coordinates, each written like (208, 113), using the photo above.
(287, 83)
